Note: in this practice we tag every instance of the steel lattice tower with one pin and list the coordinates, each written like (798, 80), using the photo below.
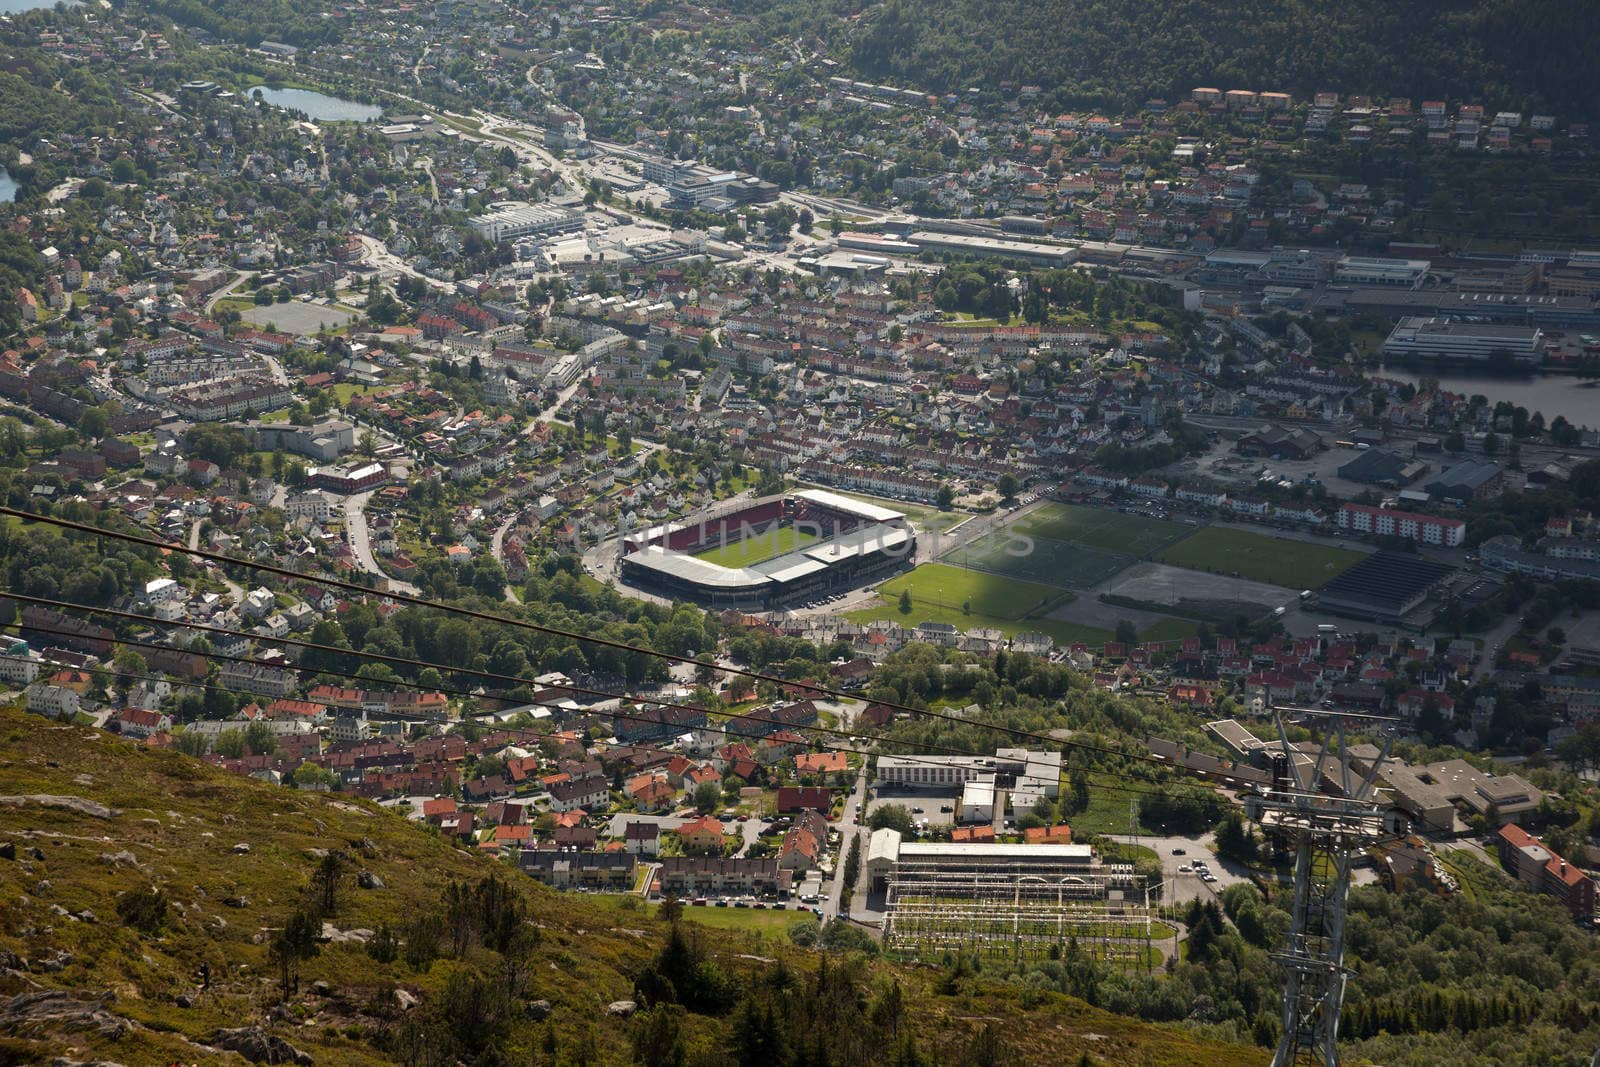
(1327, 831)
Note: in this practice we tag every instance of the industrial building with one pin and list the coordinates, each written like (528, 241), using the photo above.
(1010, 901)
(1045, 255)
(510, 221)
(1377, 270)
(1385, 587)
(1027, 775)
(1446, 340)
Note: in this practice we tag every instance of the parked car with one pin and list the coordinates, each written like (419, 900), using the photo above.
(1179, 852)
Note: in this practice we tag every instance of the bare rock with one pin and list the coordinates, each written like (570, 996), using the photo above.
(57, 962)
(77, 804)
(539, 1010)
(622, 1009)
(62, 1009)
(241, 849)
(405, 1000)
(8, 850)
(119, 859)
(183, 1000)
(368, 880)
(258, 1046)
(321, 988)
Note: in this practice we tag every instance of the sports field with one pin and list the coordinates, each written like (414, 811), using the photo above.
(1045, 560)
(1110, 531)
(757, 548)
(936, 585)
(1278, 561)
(973, 600)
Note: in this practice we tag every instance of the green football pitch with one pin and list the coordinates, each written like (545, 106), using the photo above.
(757, 548)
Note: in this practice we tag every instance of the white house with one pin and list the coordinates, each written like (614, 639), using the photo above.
(58, 702)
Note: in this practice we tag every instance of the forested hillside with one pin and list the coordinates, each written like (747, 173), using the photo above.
(1533, 54)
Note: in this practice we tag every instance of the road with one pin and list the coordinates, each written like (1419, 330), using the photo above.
(497, 550)
(355, 524)
(750, 832)
(375, 253)
(1493, 642)
(231, 289)
(848, 831)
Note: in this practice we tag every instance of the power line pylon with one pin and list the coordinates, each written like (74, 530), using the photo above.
(1326, 830)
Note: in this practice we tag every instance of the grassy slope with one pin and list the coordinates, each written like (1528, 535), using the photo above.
(182, 820)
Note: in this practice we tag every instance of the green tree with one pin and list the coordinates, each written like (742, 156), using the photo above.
(230, 743)
(292, 945)
(905, 602)
(190, 743)
(707, 795)
(891, 816)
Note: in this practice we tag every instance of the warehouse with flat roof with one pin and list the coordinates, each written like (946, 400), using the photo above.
(1415, 337)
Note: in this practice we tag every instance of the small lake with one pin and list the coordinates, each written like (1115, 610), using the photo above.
(17, 7)
(319, 107)
(8, 187)
(1550, 394)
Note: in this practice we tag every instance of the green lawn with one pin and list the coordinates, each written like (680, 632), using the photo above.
(1039, 559)
(343, 391)
(756, 920)
(1277, 561)
(757, 548)
(939, 591)
(939, 585)
(1170, 629)
(1110, 531)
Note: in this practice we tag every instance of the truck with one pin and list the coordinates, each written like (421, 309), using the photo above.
(1326, 628)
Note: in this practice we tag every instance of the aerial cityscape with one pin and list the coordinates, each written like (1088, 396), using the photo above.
(923, 533)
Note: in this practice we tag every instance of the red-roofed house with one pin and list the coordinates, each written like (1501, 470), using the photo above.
(1539, 868)
(1059, 834)
(434, 810)
(702, 835)
(804, 798)
(142, 722)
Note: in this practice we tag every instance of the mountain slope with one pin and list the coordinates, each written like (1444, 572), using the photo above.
(1504, 53)
(108, 817)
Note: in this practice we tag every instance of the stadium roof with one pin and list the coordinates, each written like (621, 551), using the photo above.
(687, 567)
(867, 539)
(823, 498)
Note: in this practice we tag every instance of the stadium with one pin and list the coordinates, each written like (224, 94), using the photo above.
(768, 555)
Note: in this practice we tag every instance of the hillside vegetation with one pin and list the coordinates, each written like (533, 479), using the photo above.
(1110, 53)
(125, 870)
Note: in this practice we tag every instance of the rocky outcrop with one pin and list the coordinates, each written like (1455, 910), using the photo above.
(258, 1046)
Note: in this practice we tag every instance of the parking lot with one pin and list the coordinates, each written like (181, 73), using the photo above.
(1184, 863)
(934, 808)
